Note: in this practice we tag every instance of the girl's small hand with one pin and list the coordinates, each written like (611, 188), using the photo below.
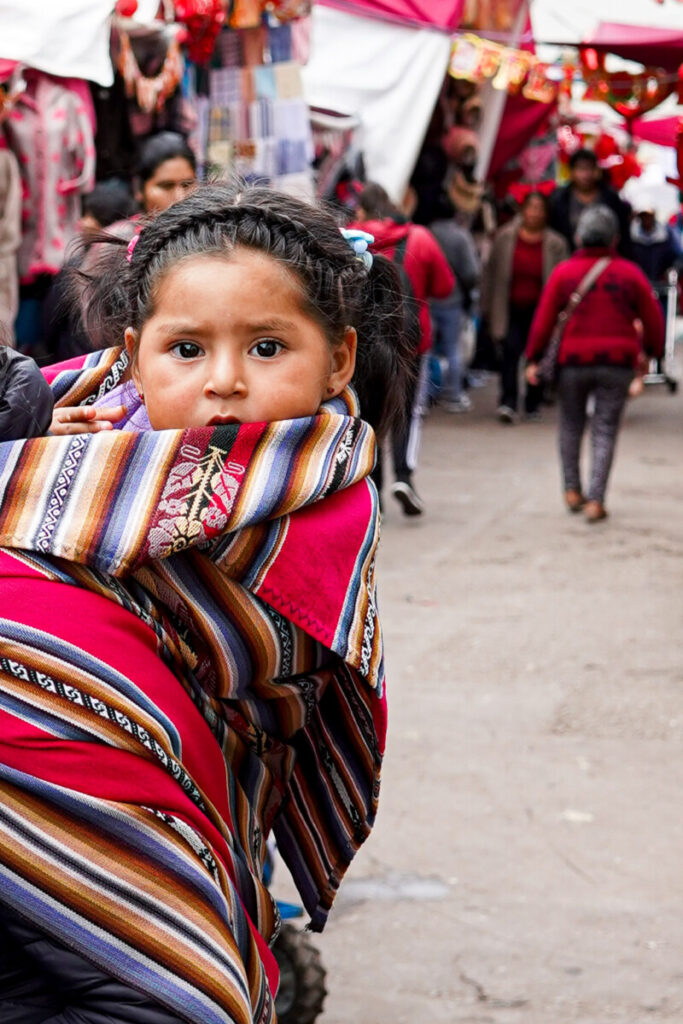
(85, 419)
(531, 374)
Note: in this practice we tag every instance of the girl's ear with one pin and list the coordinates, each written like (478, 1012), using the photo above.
(343, 362)
(131, 342)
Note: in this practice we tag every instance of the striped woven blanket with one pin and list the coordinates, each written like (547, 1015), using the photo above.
(190, 657)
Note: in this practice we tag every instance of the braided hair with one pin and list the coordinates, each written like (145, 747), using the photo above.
(338, 290)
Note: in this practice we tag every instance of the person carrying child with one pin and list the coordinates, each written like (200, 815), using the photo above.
(26, 401)
(190, 654)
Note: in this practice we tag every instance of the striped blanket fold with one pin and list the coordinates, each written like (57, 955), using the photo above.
(190, 658)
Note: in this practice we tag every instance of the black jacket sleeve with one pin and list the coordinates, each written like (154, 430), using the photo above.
(25, 397)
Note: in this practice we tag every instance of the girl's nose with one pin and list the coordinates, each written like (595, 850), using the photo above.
(225, 377)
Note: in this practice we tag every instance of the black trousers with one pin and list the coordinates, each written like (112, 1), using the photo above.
(513, 349)
(405, 442)
(44, 982)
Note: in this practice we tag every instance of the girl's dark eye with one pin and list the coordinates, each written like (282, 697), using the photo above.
(186, 350)
(267, 348)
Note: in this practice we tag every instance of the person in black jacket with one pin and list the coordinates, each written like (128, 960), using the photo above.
(586, 188)
(25, 397)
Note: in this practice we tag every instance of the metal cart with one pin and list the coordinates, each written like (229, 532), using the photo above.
(663, 371)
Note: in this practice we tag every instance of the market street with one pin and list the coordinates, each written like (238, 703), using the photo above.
(526, 864)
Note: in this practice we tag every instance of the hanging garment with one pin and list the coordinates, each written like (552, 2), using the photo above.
(10, 239)
(51, 132)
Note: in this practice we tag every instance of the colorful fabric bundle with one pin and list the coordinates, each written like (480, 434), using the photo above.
(189, 657)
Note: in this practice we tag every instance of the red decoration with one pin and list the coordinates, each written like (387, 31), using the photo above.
(520, 190)
(203, 20)
(630, 95)
(678, 181)
(618, 165)
(126, 8)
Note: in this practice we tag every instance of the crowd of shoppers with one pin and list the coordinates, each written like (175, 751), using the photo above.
(514, 283)
(583, 235)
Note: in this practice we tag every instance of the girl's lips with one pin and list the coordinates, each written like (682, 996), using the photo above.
(220, 421)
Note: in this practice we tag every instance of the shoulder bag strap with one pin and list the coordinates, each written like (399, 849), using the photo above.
(548, 362)
(585, 285)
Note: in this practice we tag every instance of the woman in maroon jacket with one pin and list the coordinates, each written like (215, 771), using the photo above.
(599, 351)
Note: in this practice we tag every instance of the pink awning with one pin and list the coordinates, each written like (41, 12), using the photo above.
(656, 47)
(661, 131)
(439, 14)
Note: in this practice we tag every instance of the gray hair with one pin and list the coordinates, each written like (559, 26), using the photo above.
(598, 227)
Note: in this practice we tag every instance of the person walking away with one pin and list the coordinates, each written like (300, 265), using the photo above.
(447, 314)
(429, 276)
(587, 188)
(524, 253)
(599, 351)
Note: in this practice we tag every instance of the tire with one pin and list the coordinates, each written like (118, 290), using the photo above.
(302, 989)
(672, 386)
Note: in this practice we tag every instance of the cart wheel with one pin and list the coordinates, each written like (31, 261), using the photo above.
(672, 386)
(302, 989)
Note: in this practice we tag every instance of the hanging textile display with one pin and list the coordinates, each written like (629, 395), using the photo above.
(151, 93)
(255, 121)
(50, 130)
(10, 225)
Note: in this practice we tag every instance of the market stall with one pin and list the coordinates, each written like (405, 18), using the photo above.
(82, 85)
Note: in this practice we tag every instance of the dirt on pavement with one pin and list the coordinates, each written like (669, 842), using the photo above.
(527, 863)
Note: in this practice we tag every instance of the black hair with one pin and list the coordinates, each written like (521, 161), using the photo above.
(157, 149)
(582, 156)
(339, 290)
(376, 204)
(109, 202)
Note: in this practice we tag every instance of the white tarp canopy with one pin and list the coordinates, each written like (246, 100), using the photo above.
(388, 75)
(69, 38)
(558, 22)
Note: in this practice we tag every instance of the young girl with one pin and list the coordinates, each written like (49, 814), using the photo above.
(189, 648)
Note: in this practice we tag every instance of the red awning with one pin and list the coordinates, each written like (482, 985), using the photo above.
(655, 47)
(440, 14)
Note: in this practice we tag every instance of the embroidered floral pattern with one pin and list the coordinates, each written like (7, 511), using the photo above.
(197, 501)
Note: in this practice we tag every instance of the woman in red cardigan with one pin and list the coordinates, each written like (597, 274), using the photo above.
(600, 349)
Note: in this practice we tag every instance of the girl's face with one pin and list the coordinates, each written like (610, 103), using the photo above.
(172, 181)
(229, 341)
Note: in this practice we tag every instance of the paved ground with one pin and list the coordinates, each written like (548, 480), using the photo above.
(527, 864)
